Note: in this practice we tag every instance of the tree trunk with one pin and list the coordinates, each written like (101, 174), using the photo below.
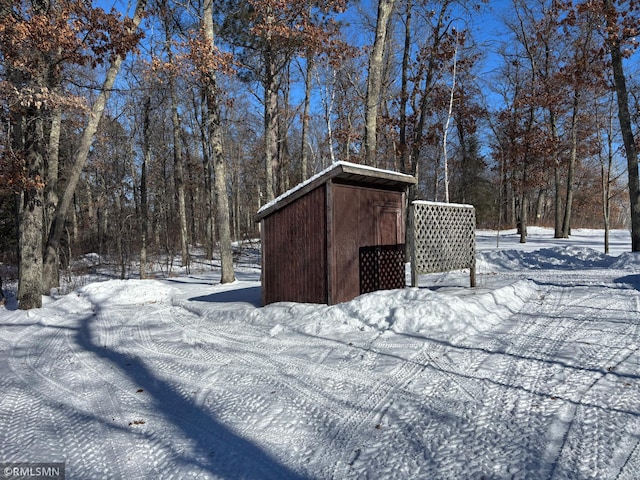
(284, 159)
(91, 211)
(624, 118)
(557, 207)
(270, 85)
(51, 190)
(304, 157)
(133, 171)
(144, 207)
(30, 246)
(573, 158)
(606, 199)
(524, 218)
(445, 158)
(193, 190)
(605, 175)
(557, 179)
(178, 169)
(328, 99)
(74, 218)
(403, 146)
(3, 299)
(539, 208)
(50, 273)
(53, 153)
(523, 214)
(120, 227)
(374, 81)
(27, 139)
(220, 176)
(270, 128)
(425, 101)
(178, 175)
(208, 176)
(31, 215)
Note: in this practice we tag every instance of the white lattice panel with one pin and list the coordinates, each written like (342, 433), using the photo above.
(443, 238)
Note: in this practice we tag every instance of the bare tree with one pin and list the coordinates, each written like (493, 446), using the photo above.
(76, 36)
(214, 128)
(616, 35)
(445, 132)
(178, 170)
(374, 81)
(50, 275)
(144, 205)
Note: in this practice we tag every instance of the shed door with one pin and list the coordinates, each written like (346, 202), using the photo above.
(389, 225)
(360, 217)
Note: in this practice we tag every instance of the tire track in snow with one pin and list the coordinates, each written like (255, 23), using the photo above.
(15, 436)
(346, 436)
(507, 436)
(422, 446)
(605, 391)
(628, 461)
(360, 392)
(188, 368)
(514, 389)
(579, 413)
(297, 388)
(580, 374)
(452, 372)
(181, 421)
(45, 367)
(548, 327)
(630, 466)
(100, 400)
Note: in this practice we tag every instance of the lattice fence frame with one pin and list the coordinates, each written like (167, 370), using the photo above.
(443, 238)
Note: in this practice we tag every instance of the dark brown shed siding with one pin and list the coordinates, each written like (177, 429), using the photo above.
(361, 217)
(295, 251)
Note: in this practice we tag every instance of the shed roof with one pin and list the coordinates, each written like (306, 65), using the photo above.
(340, 170)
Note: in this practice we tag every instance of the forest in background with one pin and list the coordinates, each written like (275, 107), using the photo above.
(160, 130)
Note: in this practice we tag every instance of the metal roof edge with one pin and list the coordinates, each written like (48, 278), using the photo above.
(366, 170)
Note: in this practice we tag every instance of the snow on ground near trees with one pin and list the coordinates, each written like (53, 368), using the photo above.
(534, 374)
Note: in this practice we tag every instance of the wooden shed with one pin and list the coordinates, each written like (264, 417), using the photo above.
(335, 236)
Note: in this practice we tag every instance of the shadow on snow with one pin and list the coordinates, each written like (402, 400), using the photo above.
(632, 281)
(250, 295)
(216, 449)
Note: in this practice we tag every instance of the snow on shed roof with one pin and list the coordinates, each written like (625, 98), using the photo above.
(343, 170)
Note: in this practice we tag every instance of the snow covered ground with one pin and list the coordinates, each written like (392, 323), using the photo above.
(534, 374)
